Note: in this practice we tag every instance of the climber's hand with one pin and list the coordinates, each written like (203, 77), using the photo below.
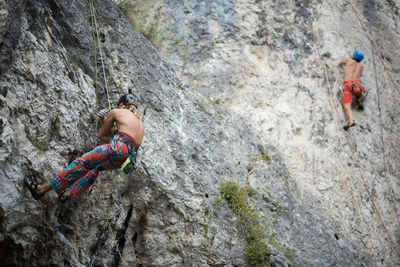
(103, 114)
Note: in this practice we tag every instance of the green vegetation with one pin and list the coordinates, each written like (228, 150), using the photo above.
(218, 115)
(266, 156)
(263, 156)
(150, 33)
(218, 101)
(206, 229)
(137, 19)
(73, 59)
(36, 143)
(237, 200)
(250, 168)
(256, 228)
(204, 108)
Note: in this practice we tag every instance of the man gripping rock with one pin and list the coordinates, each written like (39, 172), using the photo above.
(352, 85)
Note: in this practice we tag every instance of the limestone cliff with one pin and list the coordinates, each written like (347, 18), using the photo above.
(230, 91)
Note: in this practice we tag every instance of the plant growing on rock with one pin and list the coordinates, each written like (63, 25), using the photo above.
(237, 199)
(36, 143)
(255, 227)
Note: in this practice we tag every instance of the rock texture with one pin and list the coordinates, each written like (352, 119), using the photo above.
(255, 88)
(3, 20)
(258, 60)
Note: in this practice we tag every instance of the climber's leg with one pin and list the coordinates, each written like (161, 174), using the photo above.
(348, 112)
(79, 168)
(118, 153)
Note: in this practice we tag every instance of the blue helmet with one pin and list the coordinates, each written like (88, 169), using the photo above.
(129, 99)
(358, 56)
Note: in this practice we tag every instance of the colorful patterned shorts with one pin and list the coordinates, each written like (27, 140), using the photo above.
(83, 171)
(349, 91)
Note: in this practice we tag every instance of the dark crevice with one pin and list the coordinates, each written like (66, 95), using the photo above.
(10, 252)
(4, 91)
(134, 239)
(102, 236)
(137, 239)
(120, 238)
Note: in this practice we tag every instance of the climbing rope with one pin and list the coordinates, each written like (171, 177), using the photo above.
(355, 202)
(374, 48)
(111, 230)
(96, 43)
(382, 140)
(355, 160)
(96, 33)
(331, 94)
(95, 71)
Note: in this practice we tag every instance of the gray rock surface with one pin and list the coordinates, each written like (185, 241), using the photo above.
(257, 59)
(3, 20)
(160, 215)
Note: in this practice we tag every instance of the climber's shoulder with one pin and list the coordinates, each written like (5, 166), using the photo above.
(345, 61)
(122, 115)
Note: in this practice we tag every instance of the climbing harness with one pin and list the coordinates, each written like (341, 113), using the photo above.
(330, 91)
(130, 163)
(357, 90)
(393, 247)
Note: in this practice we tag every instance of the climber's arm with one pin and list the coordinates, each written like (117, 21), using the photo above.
(343, 61)
(105, 130)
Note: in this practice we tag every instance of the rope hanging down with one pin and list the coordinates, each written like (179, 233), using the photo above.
(96, 31)
(95, 71)
(355, 160)
(96, 40)
(373, 45)
(382, 140)
(111, 230)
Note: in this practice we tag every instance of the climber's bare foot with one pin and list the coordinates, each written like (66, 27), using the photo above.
(44, 188)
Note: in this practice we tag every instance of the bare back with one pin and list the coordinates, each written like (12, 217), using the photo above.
(353, 69)
(129, 124)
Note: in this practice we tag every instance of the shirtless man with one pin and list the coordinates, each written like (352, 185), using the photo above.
(352, 85)
(121, 148)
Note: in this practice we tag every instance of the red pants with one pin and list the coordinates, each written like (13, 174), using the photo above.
(352, 88)
(83, 171)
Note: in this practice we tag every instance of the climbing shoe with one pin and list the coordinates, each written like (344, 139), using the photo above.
(351, 124)
(63, 198)
(33, 187)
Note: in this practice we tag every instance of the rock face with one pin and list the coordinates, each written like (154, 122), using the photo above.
(3, 20)
(256, 111)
